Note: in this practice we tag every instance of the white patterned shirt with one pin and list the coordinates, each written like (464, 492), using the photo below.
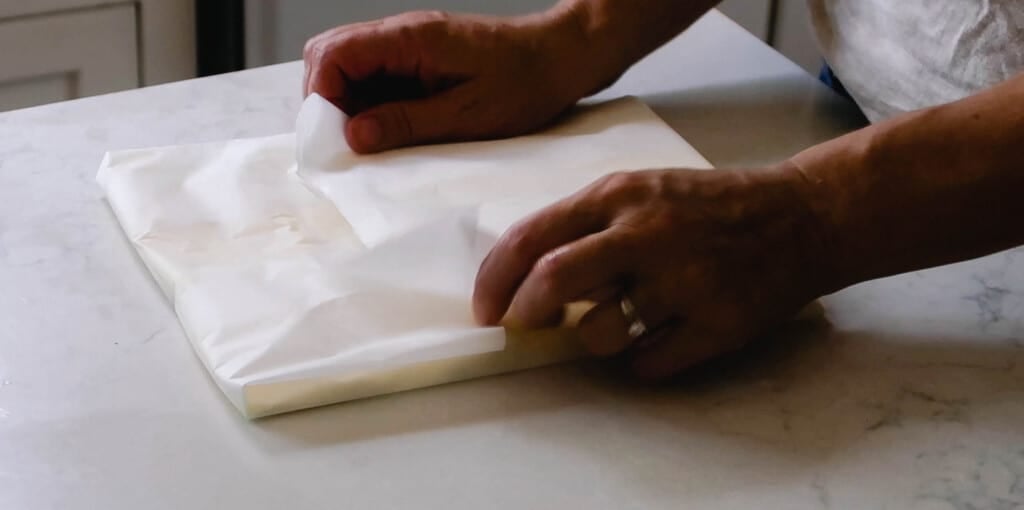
(894, 56)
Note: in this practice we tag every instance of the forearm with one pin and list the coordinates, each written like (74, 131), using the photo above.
(928, 188)
(615, 34)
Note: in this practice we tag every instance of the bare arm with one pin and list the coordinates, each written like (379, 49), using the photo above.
(615, 34)
(710, 260)
(924, 189)
(426, 77)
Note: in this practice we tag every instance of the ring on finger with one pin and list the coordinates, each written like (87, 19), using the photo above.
(637, 327)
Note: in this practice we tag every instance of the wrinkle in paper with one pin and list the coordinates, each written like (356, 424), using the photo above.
(305, 274)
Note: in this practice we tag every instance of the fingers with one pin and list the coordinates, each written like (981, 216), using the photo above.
(687, 346)
(604, 330)
(315, 54)
(566, 274)
(440, 117)
(558, 280)
(354, 55)
(518, 250)
(406, 45)
(400, 78)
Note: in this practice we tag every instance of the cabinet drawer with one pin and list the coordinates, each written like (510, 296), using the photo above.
(67, 55)
(12, 8)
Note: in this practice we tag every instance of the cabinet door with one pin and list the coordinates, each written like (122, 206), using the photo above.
(12, 8)
(67, 55)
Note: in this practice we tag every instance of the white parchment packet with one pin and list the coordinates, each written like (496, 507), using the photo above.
(351, 276)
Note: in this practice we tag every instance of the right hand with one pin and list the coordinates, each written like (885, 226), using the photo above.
(426, 77)
(709, 260)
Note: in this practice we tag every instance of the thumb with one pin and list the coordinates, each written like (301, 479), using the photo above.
(403, 123)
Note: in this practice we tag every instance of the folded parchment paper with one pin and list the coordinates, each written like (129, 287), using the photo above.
(304, 274)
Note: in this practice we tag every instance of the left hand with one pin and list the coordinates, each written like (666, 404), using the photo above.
(709, 259)
(424, 77)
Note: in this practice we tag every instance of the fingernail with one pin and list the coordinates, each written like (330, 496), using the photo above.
(367, 132)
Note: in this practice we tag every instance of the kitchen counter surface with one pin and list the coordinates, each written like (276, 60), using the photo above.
(908, 393)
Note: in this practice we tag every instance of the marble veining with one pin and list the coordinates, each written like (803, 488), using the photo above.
(906, 393)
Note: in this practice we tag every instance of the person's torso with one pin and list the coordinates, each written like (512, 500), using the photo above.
(900, 55)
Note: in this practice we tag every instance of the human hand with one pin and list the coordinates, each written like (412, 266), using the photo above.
(429, 77)
(708, 259)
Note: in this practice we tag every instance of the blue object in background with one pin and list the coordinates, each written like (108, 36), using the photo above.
(829, 78)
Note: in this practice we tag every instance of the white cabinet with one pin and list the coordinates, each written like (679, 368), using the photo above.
(52, 50)
(13, 8)
(64, 56)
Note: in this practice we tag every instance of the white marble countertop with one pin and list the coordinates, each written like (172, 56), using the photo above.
(908, 394)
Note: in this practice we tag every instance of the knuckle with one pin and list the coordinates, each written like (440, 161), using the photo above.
(318, 46)
(313, 51)
(626, 241)
(337, 45)
(413, 24)
(518, 240)
(660, 221)
(432, 15)
(611, 181)
(551, 271)
(307, 49)
(617, 187)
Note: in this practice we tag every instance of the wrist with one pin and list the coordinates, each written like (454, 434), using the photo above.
(816, 235)
(575, 40)
(608, 36)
